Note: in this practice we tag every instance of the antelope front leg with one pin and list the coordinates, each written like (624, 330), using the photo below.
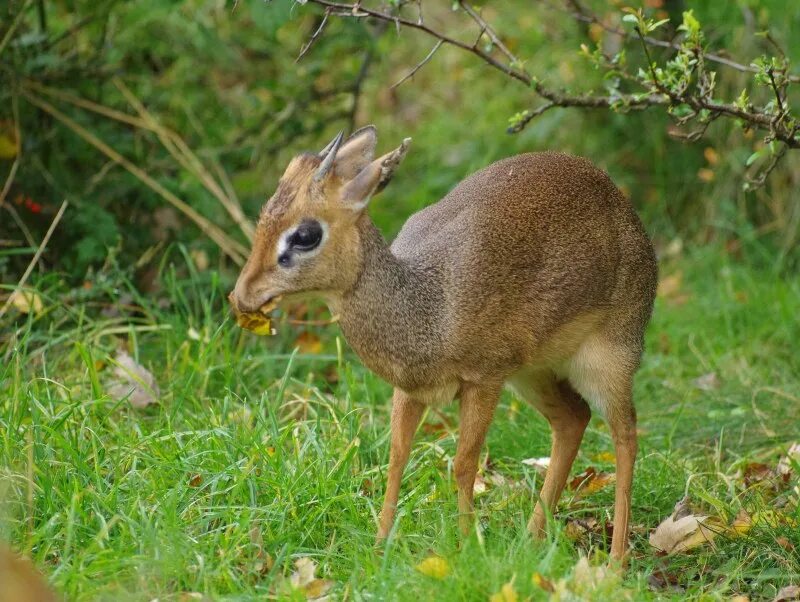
(477, 410)
(406, 414)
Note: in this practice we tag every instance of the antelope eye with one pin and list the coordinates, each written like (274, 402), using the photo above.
(307, 236)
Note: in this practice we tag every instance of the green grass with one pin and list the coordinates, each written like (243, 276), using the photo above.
(250, 438)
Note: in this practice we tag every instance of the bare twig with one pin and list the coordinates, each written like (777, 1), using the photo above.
(771, 74)
(180, 151)
(486, 28)
(419, 65)
(307, 46)
(35, 259)
(20, 224)
(357, 11)
(13, 28)
(170, 139)
(358, 83)
(9, 180)
(235, 250)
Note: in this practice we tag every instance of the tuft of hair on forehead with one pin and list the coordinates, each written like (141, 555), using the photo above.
(297, 175)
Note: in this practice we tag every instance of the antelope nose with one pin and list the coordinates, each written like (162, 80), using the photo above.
(241, 304)
(248, 301)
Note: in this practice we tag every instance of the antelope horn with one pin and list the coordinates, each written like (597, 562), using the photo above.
(329, 156)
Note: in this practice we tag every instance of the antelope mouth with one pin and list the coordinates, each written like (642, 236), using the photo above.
(258, 322)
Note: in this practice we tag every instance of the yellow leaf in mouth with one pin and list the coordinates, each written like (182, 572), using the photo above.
(256, 323)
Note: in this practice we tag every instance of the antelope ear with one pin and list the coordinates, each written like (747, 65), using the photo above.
(356, 153)
(374, 177)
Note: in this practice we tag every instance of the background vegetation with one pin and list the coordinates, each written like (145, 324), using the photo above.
(166, 124)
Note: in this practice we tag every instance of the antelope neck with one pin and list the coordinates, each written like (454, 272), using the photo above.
(392, 314)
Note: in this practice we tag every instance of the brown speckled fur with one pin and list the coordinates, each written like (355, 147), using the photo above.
(534, 272)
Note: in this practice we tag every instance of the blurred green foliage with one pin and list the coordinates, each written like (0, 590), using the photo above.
(224, 77)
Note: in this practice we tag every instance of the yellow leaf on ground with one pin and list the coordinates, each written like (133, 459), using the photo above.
(27, 302)
(507, 593)
(132, 381)
(773, 519)
(741, 524)
(434, 566)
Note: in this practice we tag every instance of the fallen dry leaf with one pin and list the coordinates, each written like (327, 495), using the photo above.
(263, 562)
(434, 566)
(741, 524)
(479, 486)
(132, 381)
(542, 582)
(707, 382)
(537, 463)
(589, 582)
(308, 342)
(590, 481)
(680, 532)
(792, 456)
(788, 593)
(589, 531)
(664, 579)
(507, 593)
(27, 302)
(755, 473)
(304, 579)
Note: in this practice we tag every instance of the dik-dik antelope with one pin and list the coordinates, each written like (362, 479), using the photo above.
(534, 272)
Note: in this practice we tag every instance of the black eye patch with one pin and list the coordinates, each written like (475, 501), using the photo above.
(307, 236)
